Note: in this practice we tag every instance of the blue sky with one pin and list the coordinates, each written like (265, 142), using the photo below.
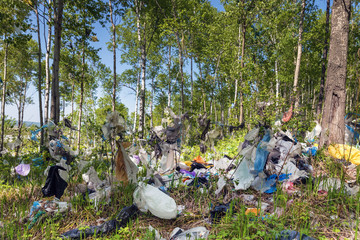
(126, 96)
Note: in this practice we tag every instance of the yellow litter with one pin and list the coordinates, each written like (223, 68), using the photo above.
(341, 151)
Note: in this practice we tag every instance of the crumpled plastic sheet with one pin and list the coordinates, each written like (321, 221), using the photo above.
(22, 169)
(335, 184)
(310, 136)
(262, 153)
(191, 234)
(252, 135)
(168, 162)
(242, 176)
(292, 235)
(92, 179)
(120, 221)
(220, 185)
(222, 164)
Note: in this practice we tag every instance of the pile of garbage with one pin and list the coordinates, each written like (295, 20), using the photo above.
(267, 160)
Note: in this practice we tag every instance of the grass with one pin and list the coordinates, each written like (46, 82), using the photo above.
(331, 216)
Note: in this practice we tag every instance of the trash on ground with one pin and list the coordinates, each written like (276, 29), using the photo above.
(341, 151)
(54, 184)
(22, 169)
(149, 198)
(191, 234)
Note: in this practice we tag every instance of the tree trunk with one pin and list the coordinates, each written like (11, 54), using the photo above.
(55, 95)
(3, 97)
(136, 102)
(72, 110)
(192, 81)
(333, 124)
(241, 116)
(47, 67)
(39, 76)
(202, 88)
(323, 67)
(142, 45)
(170, 82)
(114, 55)
(21, 114)
(298, 58)
(238, 56)
(152, 103)
(81, 99)
(277, 84)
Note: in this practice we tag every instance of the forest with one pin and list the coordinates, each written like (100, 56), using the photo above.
(180, 119)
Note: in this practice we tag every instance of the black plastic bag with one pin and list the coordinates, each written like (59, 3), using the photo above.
(54, 184)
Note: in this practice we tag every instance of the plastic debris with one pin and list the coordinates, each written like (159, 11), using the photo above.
(120, 221)
(191, 234)
(242, 176)
(220, 185)
(292, 235)
(253, 211)
(341, 151)
(218, 212)
(287, 115)
(41, 207)
(336, 184)
(54, 184)
(262, 153)
(22, 169)
(92, 179)
(310, 136)
(149, 198)
(126, 169)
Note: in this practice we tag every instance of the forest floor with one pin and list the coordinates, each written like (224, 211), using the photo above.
(332, 214)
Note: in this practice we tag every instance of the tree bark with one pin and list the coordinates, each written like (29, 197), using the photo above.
(298, 58)
(142, 45)
(170, 82)
(152, 103)
(55, 95)
(333, 123)
(241, 116)
(47, 67)
(114, 56)
(39, 76)
(202, 88)
(81, 98)
(323, 67)
(136, 102)
(3, 97)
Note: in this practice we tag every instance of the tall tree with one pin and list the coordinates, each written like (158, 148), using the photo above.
(55, 94)
(324, 59)
(333, 125)
(298, 58)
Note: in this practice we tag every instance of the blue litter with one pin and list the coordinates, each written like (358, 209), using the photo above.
(261, 153)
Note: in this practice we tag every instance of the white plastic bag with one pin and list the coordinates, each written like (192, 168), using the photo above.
(149, 198)
(242, 176)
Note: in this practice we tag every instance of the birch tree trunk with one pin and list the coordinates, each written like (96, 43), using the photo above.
(142, 45)
(114, 56)
(169, 72)
(3, 97)
(298, 58)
